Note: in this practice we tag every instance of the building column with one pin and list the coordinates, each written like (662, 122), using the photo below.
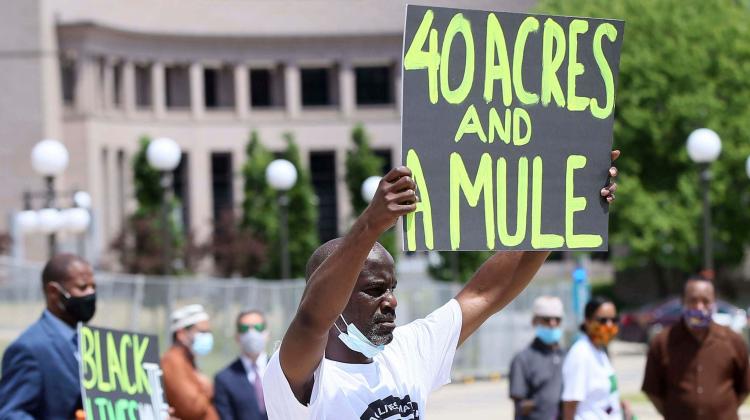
(197, 101)
(85, 90)
(347, 88)
(158, 89)
(200, 202)
(292, 90)
(127, 88)
(241, 90)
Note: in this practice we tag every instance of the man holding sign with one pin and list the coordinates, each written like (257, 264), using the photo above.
(342, 357)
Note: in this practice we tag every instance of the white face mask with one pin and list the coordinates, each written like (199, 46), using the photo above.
(356, 341)
(253, 342)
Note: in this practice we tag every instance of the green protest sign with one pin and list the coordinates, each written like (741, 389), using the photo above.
(507, 128)
(120, 375)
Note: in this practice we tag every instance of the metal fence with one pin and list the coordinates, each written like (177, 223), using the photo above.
(143, 303)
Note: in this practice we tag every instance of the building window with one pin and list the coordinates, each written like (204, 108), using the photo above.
(374, 85)
(68, 80)
(218, 87)
(266, 88)
(318, 86)
(323, 173)
(143, 85)
(222, 185)
(177, 81)
(117, 84)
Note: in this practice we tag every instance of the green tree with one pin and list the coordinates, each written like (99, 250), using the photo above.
(141, 241)
(362, 163)
(303, 214)
(260, 208)
(685, 64)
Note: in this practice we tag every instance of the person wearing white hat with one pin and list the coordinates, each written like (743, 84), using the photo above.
(536, 372)
(187, 389)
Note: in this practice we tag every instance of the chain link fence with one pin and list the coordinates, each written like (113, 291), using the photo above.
(143, 303)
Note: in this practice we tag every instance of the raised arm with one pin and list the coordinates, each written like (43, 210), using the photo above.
(330, 286)
(504, 275)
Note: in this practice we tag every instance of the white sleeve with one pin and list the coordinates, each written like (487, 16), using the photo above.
(281, 404)
(430, 343)
(575, 375)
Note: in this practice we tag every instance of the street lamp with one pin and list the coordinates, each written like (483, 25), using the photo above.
(281, 175)
(370, 187)
(49, 158)
(164, 154)
(704, 147)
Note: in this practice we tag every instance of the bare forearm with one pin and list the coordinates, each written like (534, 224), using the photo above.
(497, 282)
(569, 410)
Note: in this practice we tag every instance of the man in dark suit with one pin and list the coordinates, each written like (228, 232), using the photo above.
(39, 370)
(238, 390)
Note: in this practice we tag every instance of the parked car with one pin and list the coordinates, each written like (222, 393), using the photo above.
(643, 324)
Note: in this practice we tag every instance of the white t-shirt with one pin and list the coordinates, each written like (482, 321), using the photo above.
(394, 386)
(588, 378)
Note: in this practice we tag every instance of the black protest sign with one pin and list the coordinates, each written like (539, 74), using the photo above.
(507, 128)
(120, 375)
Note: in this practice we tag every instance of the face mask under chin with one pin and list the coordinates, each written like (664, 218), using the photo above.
(356, 341)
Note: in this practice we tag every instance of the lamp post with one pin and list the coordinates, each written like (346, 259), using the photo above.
(49, 158)
(281, 175)
(164, 154)
(704, 147)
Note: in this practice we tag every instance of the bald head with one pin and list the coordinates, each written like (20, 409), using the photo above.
(58, 268)
(324, 251)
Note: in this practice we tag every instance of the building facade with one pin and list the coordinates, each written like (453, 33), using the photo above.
(100, 74)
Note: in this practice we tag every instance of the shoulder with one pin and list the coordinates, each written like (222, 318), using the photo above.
(730, 337)
(31, 340)
(229, 371)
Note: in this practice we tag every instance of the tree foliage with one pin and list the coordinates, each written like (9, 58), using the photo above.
(685, 64)
(362, 163)
(261, 210)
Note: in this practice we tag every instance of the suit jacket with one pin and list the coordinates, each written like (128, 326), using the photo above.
(39, 375)
(234, 396)
(190, 398)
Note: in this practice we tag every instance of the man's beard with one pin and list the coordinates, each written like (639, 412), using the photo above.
(376, 332)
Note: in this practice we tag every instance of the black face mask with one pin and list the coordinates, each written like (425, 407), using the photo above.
(81, 308)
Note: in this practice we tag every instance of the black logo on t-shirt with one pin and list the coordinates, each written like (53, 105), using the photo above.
(387, 408)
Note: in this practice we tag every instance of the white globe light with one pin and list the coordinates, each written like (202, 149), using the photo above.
(49, 157)
(27, 221)
(82, 199)
(370, 187)
(281, 174)
(76, 220)
(747, 166)
(50, 220)
(703, 145)
(163, 154)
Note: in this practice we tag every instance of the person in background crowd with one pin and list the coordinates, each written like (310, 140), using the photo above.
(238, 389)
(39, 370)
(697, 368)
(536, 372)
(589, 383)
(187, 390)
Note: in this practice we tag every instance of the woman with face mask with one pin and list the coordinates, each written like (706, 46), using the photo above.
(590, 389)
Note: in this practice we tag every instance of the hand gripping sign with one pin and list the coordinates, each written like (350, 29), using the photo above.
(507, 128)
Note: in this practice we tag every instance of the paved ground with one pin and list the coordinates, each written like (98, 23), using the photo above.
(489, 400)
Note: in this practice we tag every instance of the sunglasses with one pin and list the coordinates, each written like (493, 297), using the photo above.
(549, 319)
(243, 328)
(607, 320)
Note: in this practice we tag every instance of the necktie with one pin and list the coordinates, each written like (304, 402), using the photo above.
(258, 385)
